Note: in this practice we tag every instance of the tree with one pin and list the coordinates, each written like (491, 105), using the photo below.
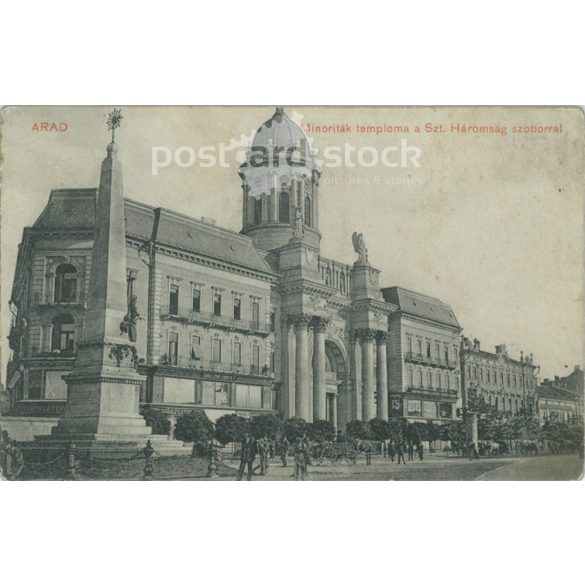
(294, 427)
(357, 429)
(157, 421)
(321, 431)
(454, 432)
(194, 427)
(231, 428)
(265, 424)
(412, 433)
(379, 429)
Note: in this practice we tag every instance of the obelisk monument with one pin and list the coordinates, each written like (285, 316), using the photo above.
(104, 386)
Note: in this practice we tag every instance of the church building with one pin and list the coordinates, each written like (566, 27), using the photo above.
(251, 322)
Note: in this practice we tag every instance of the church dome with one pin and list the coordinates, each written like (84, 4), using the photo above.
(279, 130)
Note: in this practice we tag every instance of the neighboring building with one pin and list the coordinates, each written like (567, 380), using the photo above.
(251, 323)
(561, 399)
(575, 381)
(424, 338)
(502, 382)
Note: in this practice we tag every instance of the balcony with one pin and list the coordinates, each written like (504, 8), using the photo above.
(211, 320)
(219, 367)
(419, 358)
(431, 393)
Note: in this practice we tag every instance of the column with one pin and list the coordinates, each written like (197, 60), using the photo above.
(382, 375)
(319, 397)
(334, 421)
(369, 390)
(355, 406)
(300, 325)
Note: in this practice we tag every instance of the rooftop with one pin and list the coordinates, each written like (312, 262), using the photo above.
(419, 305)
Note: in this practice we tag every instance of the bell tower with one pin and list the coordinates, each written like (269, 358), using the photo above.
(280, 178)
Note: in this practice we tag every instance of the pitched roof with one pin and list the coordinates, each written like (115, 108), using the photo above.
(184, 232)
(556, 393)
(75, 208)
(69, 208)
(419, 305)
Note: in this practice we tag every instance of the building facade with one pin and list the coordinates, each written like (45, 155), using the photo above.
(424, 338)
(561, 399)
(251, 322)
(499, 381)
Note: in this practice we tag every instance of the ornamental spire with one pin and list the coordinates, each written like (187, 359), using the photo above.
(114, 120)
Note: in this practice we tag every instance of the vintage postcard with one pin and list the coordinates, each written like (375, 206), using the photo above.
(292, 293)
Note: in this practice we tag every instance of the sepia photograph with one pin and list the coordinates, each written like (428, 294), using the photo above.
(292, 293)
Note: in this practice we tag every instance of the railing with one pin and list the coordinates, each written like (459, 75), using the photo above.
(211, 366)
(39, 408)
(56, 353)
(431, 361)
(180, 313)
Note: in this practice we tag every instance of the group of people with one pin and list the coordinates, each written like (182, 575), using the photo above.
(265, 448)
(11, 459)
(396, 450)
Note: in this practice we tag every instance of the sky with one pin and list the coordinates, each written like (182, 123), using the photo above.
(489, 222)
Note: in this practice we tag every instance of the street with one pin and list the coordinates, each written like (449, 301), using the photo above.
(545, 467)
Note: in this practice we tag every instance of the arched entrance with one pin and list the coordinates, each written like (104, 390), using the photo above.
(337, 405)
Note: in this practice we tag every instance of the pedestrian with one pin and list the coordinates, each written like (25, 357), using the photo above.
(247, 457)
(410, 451)
(11, 459)
(264, 450)
(284, 451)
(307, 447)
(400, 452)
(300, 459)
(419, 450)
(391, 452)
(272, 447)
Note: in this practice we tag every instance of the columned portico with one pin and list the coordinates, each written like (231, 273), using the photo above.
(382, 375)
(300, 325)
(319, 390)
(369, 378)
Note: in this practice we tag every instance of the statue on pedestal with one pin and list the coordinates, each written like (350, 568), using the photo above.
(359, 245)
(298, 226)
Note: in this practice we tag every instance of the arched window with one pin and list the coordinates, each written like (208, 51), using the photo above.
(420, 378)
(308, 211)
(328, 277)
(342, 283)
(66, 284)
(283, 208)
(257, 210)
(63, 338)
(429, 380)
(438, 381)
(410, 378)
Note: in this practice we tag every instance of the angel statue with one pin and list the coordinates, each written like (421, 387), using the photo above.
(359, 245)
(299, 226)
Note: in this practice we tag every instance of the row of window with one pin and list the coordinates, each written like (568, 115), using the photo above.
(283, 208)
(217, 351)
(416, 379)
(430, 349)
(217, 302)
(210, 393)
(504, 403)
(426, 409)
(493, 376)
